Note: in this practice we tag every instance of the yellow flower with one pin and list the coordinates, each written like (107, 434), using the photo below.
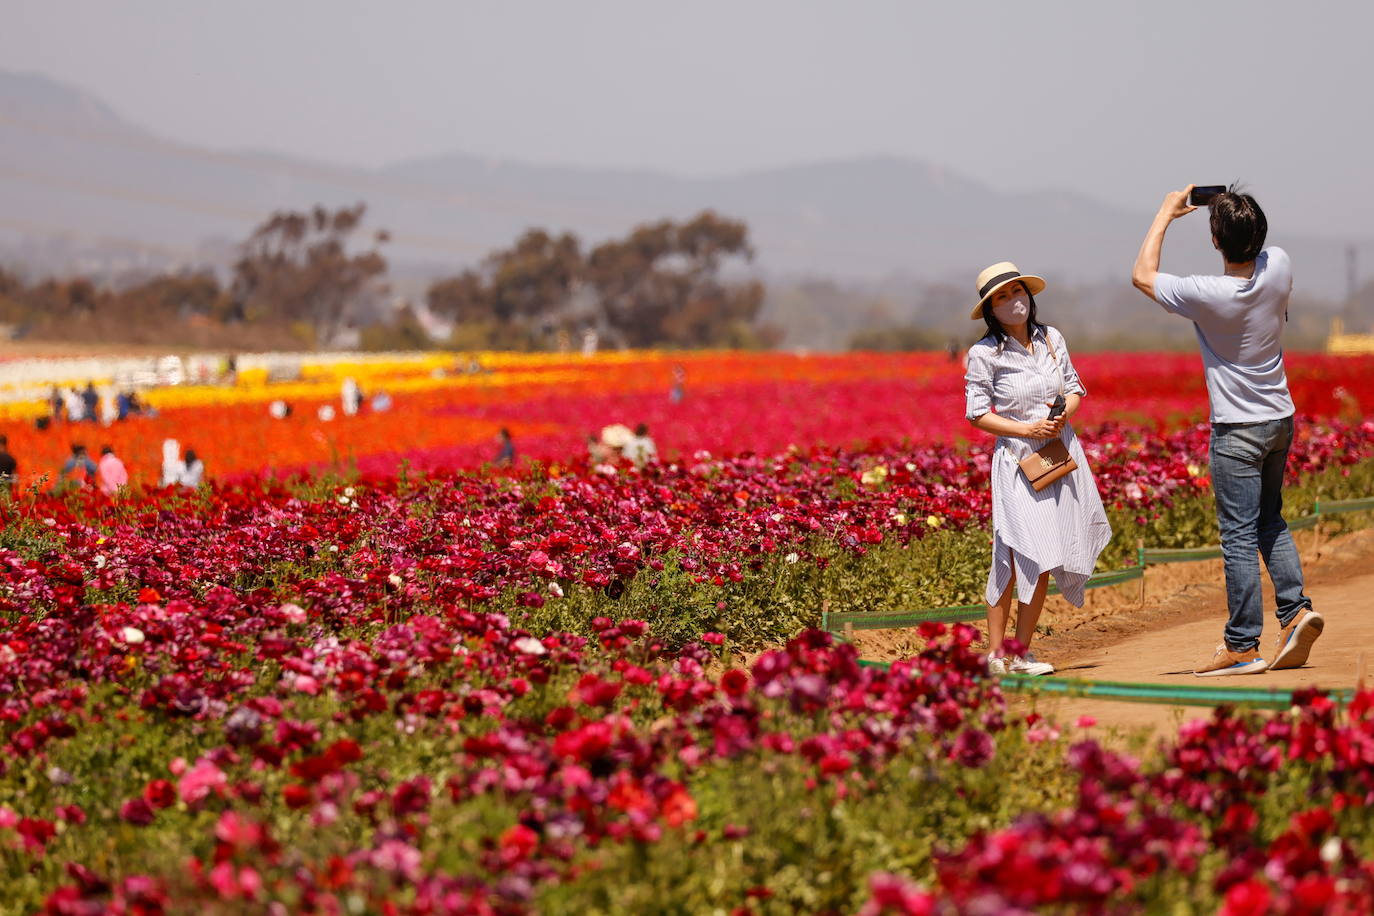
(934, 521)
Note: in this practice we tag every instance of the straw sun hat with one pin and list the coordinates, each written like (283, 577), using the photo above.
(999, 275)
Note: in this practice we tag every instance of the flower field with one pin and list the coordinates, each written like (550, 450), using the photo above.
(418, 685)
(733, 402)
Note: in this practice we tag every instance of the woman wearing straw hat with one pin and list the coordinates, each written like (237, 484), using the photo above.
(1015, 374)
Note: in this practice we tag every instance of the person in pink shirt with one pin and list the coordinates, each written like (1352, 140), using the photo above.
(110, 472)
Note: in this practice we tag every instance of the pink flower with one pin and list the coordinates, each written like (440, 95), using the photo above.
(198, 782)
(304, 683)
(398, 859)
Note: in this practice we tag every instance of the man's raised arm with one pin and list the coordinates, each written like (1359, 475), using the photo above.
(1147, 261)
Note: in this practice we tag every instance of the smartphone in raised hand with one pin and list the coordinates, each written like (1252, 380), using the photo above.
(1202, 194)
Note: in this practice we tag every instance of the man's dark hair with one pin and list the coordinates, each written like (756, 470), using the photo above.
(995, 327)
(1238, 225)
(107, 450)
(4, 441)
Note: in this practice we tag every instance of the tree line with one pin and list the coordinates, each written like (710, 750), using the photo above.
(306, 278)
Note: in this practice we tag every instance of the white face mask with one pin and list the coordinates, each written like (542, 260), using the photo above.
(1013, 311)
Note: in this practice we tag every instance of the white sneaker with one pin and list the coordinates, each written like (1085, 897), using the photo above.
(1026, 664)
(997, 665)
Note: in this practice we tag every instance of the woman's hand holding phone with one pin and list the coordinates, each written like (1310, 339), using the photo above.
(1048, 428)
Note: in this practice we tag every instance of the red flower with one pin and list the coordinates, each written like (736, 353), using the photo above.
(518, 842)
(835, 763)
(137, 812)
(295, 795)
(1248, 898)
(160, 793)
(679, 808)
(734, 682)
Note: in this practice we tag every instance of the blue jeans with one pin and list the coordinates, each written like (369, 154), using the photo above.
(1247, 477)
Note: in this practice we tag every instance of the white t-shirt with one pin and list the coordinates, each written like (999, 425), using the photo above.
(1239, 325)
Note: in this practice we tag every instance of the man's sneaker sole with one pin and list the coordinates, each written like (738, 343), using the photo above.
(1258, 666)
(1299, 646)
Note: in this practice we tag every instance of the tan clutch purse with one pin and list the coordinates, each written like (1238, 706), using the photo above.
(1047, 464)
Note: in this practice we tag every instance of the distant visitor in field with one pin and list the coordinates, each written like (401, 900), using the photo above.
(72, 403)
(79, 470)
(1239, 317)
(56, 404)
(194, 472)
(1047, 516)
(110, 472)
(172, 466)
(641, 449)
(9, 468)
(90, 403)
(350, 396)
(505, 456)
(597, 451)
(679, 389)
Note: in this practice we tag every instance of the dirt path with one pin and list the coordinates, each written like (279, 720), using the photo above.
(1114, 638)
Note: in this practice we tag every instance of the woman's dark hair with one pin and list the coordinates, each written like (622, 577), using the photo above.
(190, 457)
(1238, 225)
(995, 327)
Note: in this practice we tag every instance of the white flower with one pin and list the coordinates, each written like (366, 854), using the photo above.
(555, 589)
(900, 518)
(100, 561)
(1331, 850)
(131, 635)
(293, 613)
(333, 548)
(529, 645)
(344, 500)
(349, 492)
(792, 557)
(50, 522)
(394, 580)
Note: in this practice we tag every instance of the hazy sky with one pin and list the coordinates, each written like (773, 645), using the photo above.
(1121, 100)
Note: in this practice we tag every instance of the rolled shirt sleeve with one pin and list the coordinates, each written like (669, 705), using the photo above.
(978, 383)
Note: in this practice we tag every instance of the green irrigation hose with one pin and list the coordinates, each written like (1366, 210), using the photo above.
(1167, 694)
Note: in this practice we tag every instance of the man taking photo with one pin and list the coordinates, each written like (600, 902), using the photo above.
(1239, 317)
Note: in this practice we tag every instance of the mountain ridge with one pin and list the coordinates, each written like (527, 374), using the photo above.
(70, 164)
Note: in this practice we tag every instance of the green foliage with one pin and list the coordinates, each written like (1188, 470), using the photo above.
(811, 849)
